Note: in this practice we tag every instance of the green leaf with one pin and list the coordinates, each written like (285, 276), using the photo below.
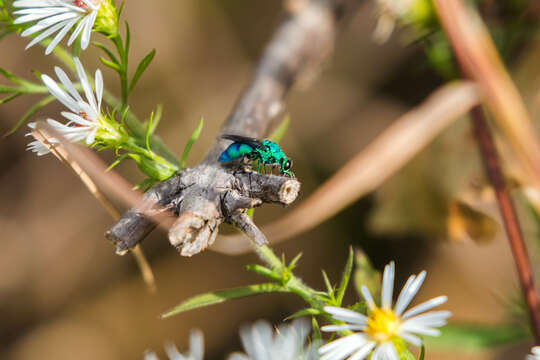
(157, 118)
(190, 143)
(148, 132)
(10, 97)
(304, 312)
(316, 330)
(112, 65)
(422, 352)
(264, 271)
(141, 68)
(328, 284)
(10, 76)
(128, 42)
(109, 53)
(217, 297)
(477, 337)
(294, 262)
(280, 131)
(406, 355)
(345, 278)
(42, 103)
(117, 161)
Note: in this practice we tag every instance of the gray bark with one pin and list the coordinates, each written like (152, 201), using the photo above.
(205, 196)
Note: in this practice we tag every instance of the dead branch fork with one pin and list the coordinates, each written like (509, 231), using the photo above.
(209, 194)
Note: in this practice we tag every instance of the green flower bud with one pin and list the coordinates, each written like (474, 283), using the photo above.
(107, 19)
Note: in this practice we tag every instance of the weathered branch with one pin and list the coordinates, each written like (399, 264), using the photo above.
(209, 194)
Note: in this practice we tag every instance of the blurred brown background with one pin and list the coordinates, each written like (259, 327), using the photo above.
(64, 294)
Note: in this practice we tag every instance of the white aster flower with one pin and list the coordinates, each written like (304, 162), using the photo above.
(535, 353)
(196, 349)
(84, 115)
(57, 16)
(382, 325)
(286, 343)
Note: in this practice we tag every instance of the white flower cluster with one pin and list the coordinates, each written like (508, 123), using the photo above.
(84, 115)
(57, 16)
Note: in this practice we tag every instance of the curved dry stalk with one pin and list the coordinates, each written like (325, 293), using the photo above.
(60, 152)
(390, 151)
(480, 61)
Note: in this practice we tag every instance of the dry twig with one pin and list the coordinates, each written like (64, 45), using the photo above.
(390, 151)
(209, 194)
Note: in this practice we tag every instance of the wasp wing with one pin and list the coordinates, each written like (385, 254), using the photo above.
(255, 143)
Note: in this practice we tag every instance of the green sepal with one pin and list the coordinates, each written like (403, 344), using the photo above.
(220, 296)
(317, 336)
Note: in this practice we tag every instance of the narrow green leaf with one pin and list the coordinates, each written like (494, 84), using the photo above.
(109, 53)
(477, 337)
(112, 65)
(264, 271)
(280, 131)
(304, 312)
(329, 286)
(294, 262)
(148, 132)
(346, 277)
(42, 103)
(157, 118)
(190, 143)
(7, 90)
(9, 98)
(10, 76)
(217, 297)
(141, 68)
(127, 43)
(117, 161)
(317, 336)
(422, 352)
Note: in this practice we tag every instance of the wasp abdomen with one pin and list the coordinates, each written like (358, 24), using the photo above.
(235, 151)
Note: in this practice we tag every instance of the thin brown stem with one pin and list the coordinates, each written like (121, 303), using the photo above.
(493, 169)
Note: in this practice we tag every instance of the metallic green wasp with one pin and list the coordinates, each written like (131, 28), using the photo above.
(265, 152)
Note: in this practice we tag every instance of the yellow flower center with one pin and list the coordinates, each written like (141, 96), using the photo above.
(382, 324)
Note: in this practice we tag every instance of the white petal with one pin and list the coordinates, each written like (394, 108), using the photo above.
(367, 296)
(425, 306)
(64, 79)
(341, 348)
(85, 84)
(91, 137)
(410, 338)
(77, 119)
(76, 32)
(60, 94)
(385, 351)
(44, 34)
(85, 39)
(347, 315)
(331, 328)
(60, 36)
(364, 351)
(408, 292)
(99, 88)
(387, 286)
